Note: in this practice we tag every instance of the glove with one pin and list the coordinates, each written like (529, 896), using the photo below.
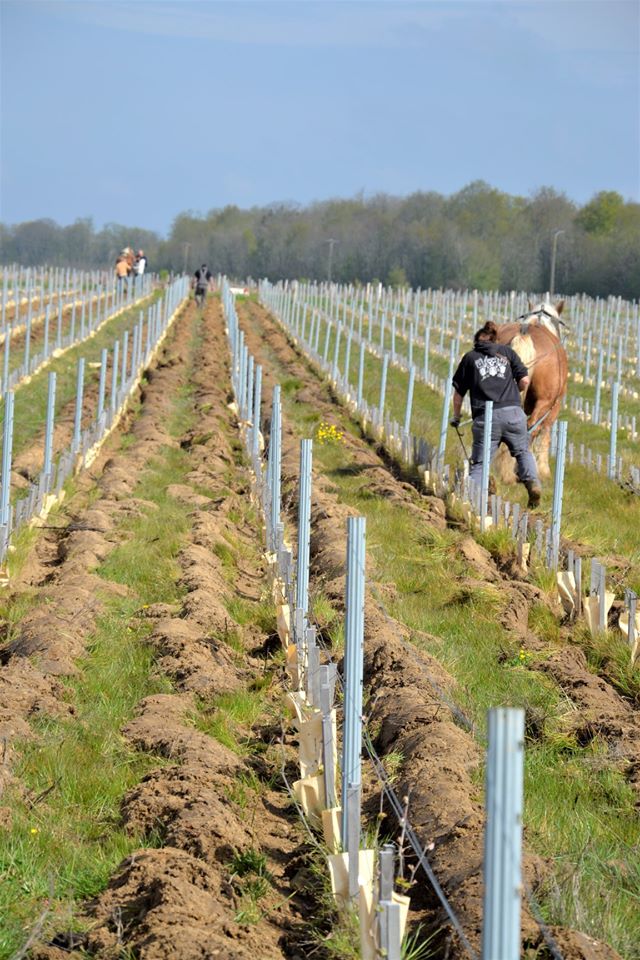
(455, 422)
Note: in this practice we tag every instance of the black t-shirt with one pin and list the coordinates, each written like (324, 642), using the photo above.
(491, 371)
(203, 277)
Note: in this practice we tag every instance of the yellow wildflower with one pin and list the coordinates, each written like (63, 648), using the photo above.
(328, 433)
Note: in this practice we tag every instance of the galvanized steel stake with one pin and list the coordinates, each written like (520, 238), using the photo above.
(503, 835)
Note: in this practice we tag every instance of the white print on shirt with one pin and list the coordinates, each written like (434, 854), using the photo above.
(492, 367)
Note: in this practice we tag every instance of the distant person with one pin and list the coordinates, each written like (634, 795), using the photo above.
(493, 371)
(141, 263)
(123, 267)
(203, 278)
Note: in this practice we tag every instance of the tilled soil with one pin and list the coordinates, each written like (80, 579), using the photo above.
(180, 900)
(408, 688)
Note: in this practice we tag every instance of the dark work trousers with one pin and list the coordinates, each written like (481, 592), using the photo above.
(509, 425)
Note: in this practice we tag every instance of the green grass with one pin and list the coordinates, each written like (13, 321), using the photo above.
(146, 561)
(543, 623)
(321, 609)
(252, 881)
(579, 810)
(71, 841)
(608, 654)
(249, 861)
(245, 789)
(230, 717)
(582, 817)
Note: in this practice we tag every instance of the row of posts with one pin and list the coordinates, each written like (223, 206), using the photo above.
(290, 302)
(292, 311)
(125, 365)
(382, 911)
(85, 315)
(17, 280)
(285, 308)
(601, 323)
(55, 288)
(595, 606)
(488, 509)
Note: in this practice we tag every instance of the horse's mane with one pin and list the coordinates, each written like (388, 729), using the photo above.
(544, 315)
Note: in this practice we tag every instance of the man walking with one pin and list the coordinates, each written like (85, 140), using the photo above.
(202, 278)
(493, 371)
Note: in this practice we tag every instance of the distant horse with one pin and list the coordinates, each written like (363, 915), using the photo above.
(536, 340)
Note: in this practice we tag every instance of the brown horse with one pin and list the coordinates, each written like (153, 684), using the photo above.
(536, 340)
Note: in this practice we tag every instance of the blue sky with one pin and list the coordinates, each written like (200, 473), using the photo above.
(133, 112)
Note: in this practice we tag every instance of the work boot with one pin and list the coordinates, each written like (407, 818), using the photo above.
(534, 491)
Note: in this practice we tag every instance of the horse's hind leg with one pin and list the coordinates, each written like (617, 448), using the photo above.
(541, 453)
(542, 440)
(505, 465)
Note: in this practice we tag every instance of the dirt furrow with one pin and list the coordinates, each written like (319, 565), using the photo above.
(47, 641)
(218, 883)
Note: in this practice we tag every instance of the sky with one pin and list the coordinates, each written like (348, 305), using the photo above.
(135, 112)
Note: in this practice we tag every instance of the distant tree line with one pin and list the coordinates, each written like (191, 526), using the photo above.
(476, 238)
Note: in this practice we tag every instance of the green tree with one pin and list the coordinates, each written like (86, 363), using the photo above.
(397, 277)
(600, 214)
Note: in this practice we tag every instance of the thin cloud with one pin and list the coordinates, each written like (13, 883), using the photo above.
(267, 23)
(596, 28)
(581, 26)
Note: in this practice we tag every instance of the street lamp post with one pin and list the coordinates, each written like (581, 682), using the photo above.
(554, 250)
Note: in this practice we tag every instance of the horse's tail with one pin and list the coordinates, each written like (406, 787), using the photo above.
(524, 346)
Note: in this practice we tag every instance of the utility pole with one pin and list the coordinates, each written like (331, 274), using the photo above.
(554, 250)
(331, 243)
(187, 248)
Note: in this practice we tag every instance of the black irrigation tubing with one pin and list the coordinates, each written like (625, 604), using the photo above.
(554, 949)
(403, 820)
